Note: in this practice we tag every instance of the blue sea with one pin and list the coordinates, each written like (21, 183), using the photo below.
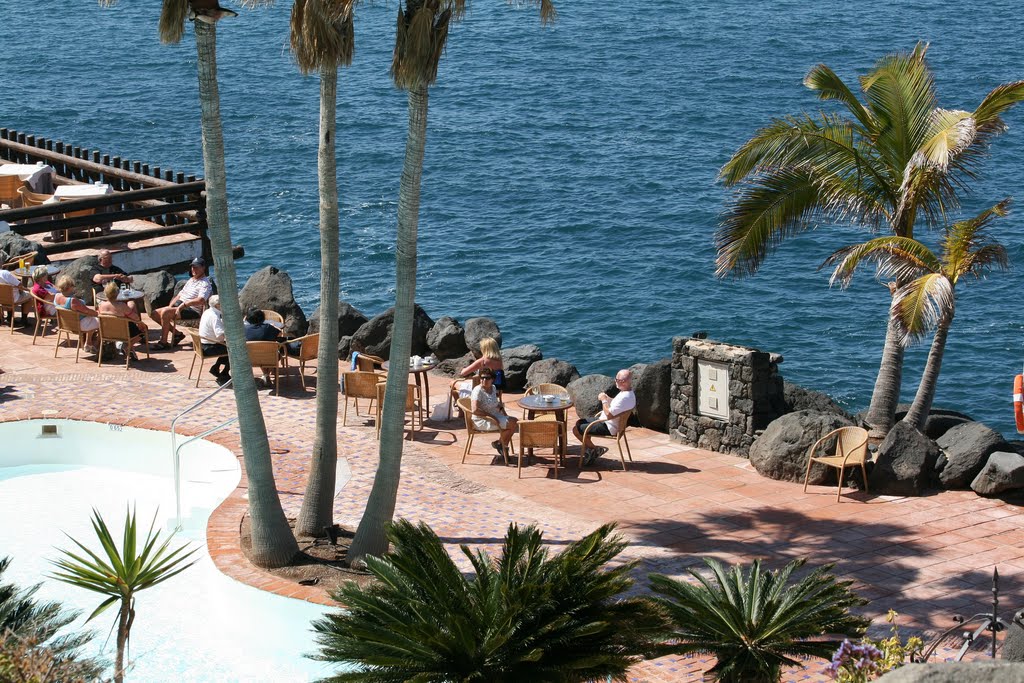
(569, 186)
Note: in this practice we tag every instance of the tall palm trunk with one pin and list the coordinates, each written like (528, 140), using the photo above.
(886, 395)
(318, 503)
(124, 625)
(922, 405)
(272, 542)
(370, 537)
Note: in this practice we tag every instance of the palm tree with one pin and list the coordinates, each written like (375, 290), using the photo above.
(419, 43)
(123, 573)
(928, 301)
(322, 40)
(756, 622)
(273, 544)
(35, 631)
(524, 617)
(887, 163)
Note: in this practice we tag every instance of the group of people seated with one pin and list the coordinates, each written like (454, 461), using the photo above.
(214, 341)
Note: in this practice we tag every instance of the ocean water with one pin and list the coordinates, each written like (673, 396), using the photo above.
(569, 185)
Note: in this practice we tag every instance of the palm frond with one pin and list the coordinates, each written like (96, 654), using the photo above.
(918, 306)
(830, 87)
(322, 33)
(173, 14)
(897, 257)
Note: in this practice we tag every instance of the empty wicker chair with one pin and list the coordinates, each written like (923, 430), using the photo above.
(357, 384)
(75, 214)
(266, 355)
(28, 259)
(465, 405)
(115, 329)
(30, 198)
(367, 363)
(9, 185)
(851, 450)
(197, 348)
(540, 434)
(309, 346)
(541, 390)
(412, 406)
(622, 422)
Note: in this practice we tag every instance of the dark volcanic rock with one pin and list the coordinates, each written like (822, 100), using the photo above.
(447, 339)
(374, 337)
(158, 286)
(478, 328)
(652, 384)
(584, 392)
(797, 398)
(1013, 643)
(551, 371)
(344, 347)
(350, 319)
(1002, 472)
(271, 289)
(981, 671)
(451, 367)
(81, 272)
(517, 361)
(940, 420)
(904, 463)
(781, 451)
(965, 448)
(15, 245)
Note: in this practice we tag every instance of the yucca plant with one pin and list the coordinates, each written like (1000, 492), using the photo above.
(525, 616)
(34, 643)
(756, 622)
(122, 573)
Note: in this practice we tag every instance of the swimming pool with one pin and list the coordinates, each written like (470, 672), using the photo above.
(198, 626)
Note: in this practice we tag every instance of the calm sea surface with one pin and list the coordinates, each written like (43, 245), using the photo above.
(569, 183)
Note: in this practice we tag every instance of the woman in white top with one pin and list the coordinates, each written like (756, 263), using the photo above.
(486, 404)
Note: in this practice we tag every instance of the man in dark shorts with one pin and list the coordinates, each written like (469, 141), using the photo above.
(188, 304)
(611, 407)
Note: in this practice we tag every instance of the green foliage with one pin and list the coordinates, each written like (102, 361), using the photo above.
(757, 622)
(524, 617)
(32, 641)
(873, 658)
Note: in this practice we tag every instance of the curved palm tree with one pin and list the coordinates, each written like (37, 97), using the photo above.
(889, 162)
(322, 40)
(757, 622)
(927, 300)
(524, 617)
(273, 544)
(419, 43)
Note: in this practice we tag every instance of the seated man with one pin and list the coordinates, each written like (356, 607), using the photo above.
(21, 295)
(108, 272)
(188, 303)
(258, 329)
(611, 407)
(211, 330)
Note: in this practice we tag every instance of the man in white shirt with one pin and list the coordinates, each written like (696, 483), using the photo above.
(21, 297)
(611, 407)
(211, 329)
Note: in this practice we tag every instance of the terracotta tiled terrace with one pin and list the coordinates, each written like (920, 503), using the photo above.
(928, 558)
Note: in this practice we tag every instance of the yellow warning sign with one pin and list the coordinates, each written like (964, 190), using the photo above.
(712, 388)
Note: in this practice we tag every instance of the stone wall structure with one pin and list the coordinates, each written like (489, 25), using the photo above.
(722, 395)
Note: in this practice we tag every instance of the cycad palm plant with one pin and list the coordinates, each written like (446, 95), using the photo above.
(322, 40)
(756, 622)
(29, 628)
(890, 162)
(524, 617)
(419, 43)
(927, 300)
(121, 574)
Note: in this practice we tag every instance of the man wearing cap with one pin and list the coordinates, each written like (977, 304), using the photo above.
(187, 304)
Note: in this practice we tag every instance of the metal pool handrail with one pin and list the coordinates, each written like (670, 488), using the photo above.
(175, 449)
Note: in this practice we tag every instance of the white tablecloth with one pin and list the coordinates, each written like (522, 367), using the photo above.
(82, 190)
(38, 176)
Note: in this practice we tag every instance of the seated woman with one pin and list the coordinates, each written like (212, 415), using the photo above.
(490, 358)
(44, 289)
(122, 309)
(485, 403)
(88, 318)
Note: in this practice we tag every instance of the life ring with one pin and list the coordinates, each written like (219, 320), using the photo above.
(1018, 402)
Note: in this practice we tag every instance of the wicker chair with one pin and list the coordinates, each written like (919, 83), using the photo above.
(30, 198)
(197, 348)
(412, 406)
(68, 324)
(851, 450)
(43, 319)
(115, 329)
(266, 355)
(541, 390)
(453, 392)
(368, 363)
(8, 294)
(273, 316)
(9, 185)
(28, 259)
(357, 384)
(75, 214)
(621, 423)
(465, 405)
(540, 434)
(309, 347)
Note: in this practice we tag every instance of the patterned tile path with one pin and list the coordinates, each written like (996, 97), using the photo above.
(928, 558)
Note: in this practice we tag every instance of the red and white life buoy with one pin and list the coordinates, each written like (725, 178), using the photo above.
(1018, 402)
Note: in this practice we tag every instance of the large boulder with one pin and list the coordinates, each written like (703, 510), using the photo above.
(271, 289)
(81, 272)
(1002, 472)
(940, 420)
(447, 339)
(517, 361)
(781, 450)
(585, 390)
(551, 371)
(15, 245)
(799, 398)
(651, 384)
(478, 328)
(965, 448)
(451, 367)
(344, 347)
(981, 671)
(1013, 642)
(158, 286)
(374, 336)
(350, 319)
(904, 463)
